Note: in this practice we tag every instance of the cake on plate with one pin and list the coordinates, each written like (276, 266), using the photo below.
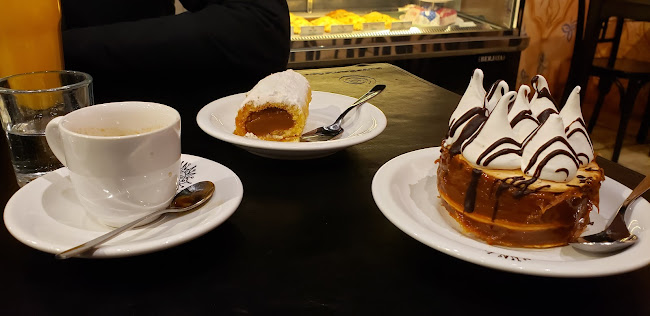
(515, 172)
(276, 109)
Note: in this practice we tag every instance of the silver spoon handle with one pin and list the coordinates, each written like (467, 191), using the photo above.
(108, 236)
(363, 99)
(643, 186)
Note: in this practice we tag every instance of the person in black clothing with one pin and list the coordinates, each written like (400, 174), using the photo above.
(141, 50)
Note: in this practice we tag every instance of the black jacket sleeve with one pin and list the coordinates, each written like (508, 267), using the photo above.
(220, 40)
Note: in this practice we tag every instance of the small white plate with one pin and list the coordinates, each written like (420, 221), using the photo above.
(46, 214)
(405, 190)
(360, 125)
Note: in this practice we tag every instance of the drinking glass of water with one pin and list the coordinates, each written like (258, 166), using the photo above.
(27, 103)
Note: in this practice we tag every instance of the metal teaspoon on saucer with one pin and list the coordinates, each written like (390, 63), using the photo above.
(188, 199)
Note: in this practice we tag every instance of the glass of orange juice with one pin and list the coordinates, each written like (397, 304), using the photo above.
(30, 36)
(30, 41)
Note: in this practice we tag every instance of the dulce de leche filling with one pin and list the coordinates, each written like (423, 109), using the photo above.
(268, 120)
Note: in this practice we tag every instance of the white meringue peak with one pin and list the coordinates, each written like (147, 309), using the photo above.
(542, 103)
(469, 105)
(497, 90)
(520, 116)
(494, 145)
(575, 128)
(547, 154)
(501, 129)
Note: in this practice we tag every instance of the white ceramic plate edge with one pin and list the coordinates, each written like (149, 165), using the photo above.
(507, 259)
(205, 116)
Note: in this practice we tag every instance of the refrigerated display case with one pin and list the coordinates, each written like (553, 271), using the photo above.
(482, 34)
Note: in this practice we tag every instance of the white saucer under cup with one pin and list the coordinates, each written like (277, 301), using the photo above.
(46, 214)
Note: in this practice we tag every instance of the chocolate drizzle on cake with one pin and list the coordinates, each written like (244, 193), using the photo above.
(502, 186)
(470, 194)
(543, 93)
(521, 188)
(466, 117)
(522, 184)
(580, 129)
(468, 131)
(571, 155)
(546, 143)
(499, 153)
(511, 104)
(493, 90)
(523, 115)
(542, 117)
(579, 120)
(493, 142)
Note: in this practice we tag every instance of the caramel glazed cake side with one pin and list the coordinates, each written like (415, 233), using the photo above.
(509, 208)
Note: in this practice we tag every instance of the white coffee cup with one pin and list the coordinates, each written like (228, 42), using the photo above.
(123, 157)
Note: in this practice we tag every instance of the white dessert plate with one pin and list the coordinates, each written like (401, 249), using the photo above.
(46, 214)
(405, 190)
(360, 125)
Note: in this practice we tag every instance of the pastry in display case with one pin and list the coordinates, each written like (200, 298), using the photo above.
(422, 37)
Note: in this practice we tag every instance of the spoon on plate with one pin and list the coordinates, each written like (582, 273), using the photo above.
(616, 235)
(330, 131)
(189, 198)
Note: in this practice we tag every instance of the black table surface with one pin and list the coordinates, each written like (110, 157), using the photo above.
(309, 239)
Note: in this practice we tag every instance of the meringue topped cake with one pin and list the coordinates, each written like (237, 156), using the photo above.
(276, 108)
(515, 172)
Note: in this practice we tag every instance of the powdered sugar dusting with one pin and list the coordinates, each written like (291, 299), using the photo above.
(279, 88)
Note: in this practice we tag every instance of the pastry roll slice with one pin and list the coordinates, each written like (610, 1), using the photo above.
(276, 108)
